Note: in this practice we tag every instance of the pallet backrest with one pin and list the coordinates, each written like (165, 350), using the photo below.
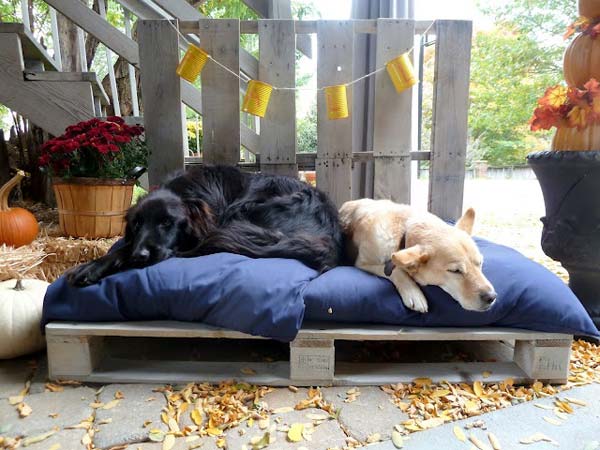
(275, 145)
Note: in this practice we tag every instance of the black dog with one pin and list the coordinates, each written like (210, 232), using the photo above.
(221, 209)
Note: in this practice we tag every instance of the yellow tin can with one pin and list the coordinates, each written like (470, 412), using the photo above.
(192, 63)
(336, 101)
(257, 98)
(401, 72)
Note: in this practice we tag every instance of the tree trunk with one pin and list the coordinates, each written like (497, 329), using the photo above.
(91, 43)
(69, 44)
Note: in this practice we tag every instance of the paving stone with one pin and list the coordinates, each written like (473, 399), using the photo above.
(207, 443)
(510, 425)
(371, 412)
(67, 439)
(282, 397)
(326, 435)
(13, 375)
(71, 405)
(129, 415)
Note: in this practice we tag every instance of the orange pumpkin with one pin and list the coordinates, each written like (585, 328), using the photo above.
(582, 60)
(589, 8)
(17, 225)
(574, 139)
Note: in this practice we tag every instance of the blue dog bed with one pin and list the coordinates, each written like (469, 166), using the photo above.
(271, 297)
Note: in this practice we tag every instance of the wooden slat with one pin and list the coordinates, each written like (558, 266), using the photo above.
(310, 330)
(334, 150)
(50, 105)
(449, 123)
(95, 25)
(91, 77)
(221, 91)
(277, 66)
(368, 26)
(161, 94)
(392, 133)
(32, 49)
(140, 9)
(250, 139)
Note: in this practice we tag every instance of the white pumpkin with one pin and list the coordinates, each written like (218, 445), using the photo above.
(20, 316)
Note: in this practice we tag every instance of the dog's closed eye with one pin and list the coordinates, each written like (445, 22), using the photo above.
(456, 271)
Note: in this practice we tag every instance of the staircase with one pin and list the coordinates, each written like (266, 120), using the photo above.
(31, 84)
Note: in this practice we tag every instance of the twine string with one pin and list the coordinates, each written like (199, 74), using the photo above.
(245, 79)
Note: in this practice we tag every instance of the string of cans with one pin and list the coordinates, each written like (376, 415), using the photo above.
(256, 100)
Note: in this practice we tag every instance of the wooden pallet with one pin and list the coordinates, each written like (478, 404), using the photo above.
(78, 351)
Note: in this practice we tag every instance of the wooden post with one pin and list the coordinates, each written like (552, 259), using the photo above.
(277, 66)
(73, 356)
(392, 134)
(450, 110)
(334, 151)
(221, 91)
(161, 93)
(544, 359)
(312, 359)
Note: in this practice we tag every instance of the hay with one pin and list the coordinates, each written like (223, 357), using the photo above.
(49, 256)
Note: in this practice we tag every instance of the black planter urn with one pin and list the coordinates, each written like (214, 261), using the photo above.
(570, 182)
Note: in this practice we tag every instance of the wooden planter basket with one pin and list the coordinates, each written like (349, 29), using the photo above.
(93, 207)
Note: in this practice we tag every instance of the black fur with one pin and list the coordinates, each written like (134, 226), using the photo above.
(215, 209)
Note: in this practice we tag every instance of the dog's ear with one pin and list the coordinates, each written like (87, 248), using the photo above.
(465, 223)
(411, 258)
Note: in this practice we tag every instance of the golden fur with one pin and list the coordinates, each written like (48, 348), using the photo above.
(435, 253)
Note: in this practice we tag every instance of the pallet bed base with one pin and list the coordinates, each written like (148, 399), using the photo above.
(77, 351)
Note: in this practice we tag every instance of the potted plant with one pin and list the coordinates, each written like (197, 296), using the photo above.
(569, 174)
(90, 165)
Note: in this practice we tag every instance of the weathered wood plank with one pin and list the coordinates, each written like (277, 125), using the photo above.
(368, 26)
(95, 25)
(310, 330)
(450, 110)
(32, 49)
(161, 93)
(97, 88)
(221, 91)
(140, 9)
(334, 150)
(51, 105)
(392, 133)
(277, 66)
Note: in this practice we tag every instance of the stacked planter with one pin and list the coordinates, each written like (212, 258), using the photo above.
(569, 176)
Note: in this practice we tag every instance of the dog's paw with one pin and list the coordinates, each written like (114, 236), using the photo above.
(83, 275)
(415, 300)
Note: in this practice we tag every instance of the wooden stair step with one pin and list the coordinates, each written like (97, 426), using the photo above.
(32, 49)
(91, 77)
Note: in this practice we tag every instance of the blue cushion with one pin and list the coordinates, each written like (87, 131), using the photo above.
(271, 297)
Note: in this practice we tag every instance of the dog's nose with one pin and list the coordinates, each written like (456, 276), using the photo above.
(141, 255)
(488, 297)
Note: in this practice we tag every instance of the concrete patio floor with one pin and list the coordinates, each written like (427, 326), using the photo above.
(370, 418)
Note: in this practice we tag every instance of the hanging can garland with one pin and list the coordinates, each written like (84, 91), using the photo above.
(257, 98)
(336, 101)
(192, 63)
(400, 70)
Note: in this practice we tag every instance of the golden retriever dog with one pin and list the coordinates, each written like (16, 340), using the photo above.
(412, 248)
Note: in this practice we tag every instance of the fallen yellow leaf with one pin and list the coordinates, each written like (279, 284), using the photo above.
(576, 401)
(196, 416)
(459, 433)
(494, 441)
(111, 404)
(478, 388)
(54, 446)
(169, 442)
(422, 381)
(15, 399)
(552, 420)
(477, 443)
(214, 431)
(486, 374)
(54, 387)
(24, 409)
(295, 432)
(397, 439)
(119, 395)
(39, 438)
(248, 371)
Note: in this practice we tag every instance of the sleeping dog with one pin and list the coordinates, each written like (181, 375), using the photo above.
(215, 209)
(413, 248)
